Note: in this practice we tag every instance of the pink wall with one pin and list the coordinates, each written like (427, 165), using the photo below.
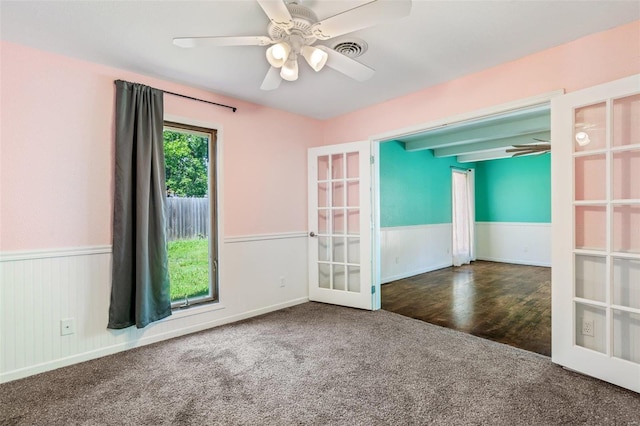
(585, 62)
(57, 135)
(56, 161)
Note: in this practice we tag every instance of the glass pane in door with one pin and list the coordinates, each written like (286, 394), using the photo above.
(591, 227)
(590, 127)
(626, 121)
(607, 225)
(626, 175)
(626, 283)
(626, 228)
(591, 327)
(338, 218)
(323, 167)
(626, 335)
(590, 177)
(591, 272)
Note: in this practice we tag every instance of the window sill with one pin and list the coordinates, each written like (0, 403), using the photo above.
(194, 310)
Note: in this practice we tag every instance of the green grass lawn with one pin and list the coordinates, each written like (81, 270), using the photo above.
(189, 268)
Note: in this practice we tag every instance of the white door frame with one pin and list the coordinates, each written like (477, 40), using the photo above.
(376, 140)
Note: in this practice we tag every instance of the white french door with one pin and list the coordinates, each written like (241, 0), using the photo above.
(596, 231)
(340, 225)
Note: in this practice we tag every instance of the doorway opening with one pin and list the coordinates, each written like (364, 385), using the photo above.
(422, 232)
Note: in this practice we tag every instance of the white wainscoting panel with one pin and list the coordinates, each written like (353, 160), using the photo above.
(411, 250)
(514, 242)
(39, 289)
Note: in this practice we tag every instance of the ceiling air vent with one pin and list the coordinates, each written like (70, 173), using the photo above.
(352, 47)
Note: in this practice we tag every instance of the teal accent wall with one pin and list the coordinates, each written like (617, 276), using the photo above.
(514, 189)
(415, 187)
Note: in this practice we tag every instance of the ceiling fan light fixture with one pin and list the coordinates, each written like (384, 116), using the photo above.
(289, 70)
(278, 53)
(315, 57)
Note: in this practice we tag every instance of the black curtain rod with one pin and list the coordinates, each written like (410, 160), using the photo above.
(234, 109)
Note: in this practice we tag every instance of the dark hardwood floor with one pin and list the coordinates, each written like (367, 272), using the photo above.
(499, 301)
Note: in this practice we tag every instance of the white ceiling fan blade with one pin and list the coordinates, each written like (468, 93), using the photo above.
(346, 65)
(222, 41)
(365, 16)
(272, 79)
(277, 12)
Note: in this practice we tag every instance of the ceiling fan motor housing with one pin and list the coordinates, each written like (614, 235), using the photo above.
(303, 19)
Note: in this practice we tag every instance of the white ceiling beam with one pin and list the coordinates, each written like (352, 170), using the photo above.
(490, 145)
(470, 134)
(483, 156)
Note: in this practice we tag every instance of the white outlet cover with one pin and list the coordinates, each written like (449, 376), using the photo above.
(67, 326)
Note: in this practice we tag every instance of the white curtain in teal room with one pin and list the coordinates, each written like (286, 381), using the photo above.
(462, 217)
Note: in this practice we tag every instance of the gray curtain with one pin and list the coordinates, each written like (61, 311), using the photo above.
(140, 278)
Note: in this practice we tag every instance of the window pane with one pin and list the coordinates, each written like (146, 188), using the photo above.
(591, 227)
(591, 327)
(338, 249)
(626, 175)
(323, 221)
(323, 167)
(353, 194)
(626, 283)
(590, 127)
(591, 182)
(323, 195)
(626, 228)
(324, 275)
(338, 221)
(338, 194)
(353, 250)
(626, 336)
(626, 121)
(353, 221)
(187, 172)
(324, 253)
(591, 277)
(353, 165)
(354, 278)
(337, 166)
(339, 280)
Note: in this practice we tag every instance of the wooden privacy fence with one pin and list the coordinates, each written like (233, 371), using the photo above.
(187, 218)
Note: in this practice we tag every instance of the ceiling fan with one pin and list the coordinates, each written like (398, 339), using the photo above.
(539, 147)
(293, 30)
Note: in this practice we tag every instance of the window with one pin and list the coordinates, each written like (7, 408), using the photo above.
(190, 170)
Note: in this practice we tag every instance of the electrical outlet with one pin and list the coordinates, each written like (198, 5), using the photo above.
(282, 282)
(588, 327)
(397, 260)
(67, 326)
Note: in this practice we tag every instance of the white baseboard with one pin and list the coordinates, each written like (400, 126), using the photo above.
(514, 261)
(415, 272)
(110, 350)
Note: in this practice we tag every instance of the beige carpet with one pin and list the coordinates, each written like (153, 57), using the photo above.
(319, 364)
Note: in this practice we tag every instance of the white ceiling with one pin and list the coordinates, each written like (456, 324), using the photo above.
(439, 41)
(486, 138)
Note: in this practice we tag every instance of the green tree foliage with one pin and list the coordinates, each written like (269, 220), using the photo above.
(186, 164)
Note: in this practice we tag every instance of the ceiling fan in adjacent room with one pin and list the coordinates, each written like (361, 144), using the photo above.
(293, 31)
(539, 147)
